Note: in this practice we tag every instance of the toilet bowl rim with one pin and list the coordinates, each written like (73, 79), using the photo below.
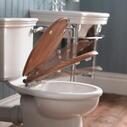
(58, 95)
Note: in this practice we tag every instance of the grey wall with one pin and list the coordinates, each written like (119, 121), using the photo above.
(72, 5)
(20, 8)
(113, 48)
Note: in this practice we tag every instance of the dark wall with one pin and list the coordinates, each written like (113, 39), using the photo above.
(113, 48)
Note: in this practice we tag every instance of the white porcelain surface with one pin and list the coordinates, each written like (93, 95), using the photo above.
(56, 103)
(16, 42)
(76, 17)
(54, 96)
(84, 19)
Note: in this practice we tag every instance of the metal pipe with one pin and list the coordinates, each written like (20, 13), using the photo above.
(74, 49)
(39, 29)
(97, 31)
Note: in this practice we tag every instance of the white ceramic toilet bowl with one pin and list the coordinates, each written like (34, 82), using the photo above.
(57, 103)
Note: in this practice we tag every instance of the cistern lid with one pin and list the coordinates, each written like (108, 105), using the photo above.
(42, 60)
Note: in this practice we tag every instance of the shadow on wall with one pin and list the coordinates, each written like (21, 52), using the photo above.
(5, 90)
(113, 47)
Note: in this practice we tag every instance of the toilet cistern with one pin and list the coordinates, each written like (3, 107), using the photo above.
(16, 42)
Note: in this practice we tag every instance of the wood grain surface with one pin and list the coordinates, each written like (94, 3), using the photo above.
(111, 112)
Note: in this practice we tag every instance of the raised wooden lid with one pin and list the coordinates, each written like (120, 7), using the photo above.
(42, 60)
(46, 45)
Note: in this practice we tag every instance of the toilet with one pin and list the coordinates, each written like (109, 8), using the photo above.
(53, 103)
(43, 103)
(57, 103)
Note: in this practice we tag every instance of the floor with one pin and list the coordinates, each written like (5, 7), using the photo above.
(111, 112)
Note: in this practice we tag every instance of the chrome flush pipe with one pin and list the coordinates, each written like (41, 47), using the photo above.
(97, 32)
(75, 30)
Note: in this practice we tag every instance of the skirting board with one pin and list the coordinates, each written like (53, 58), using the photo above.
(110, 82)
(9, 101)
(115, 83)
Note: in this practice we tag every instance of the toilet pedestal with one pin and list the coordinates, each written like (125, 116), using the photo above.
(33, 118)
